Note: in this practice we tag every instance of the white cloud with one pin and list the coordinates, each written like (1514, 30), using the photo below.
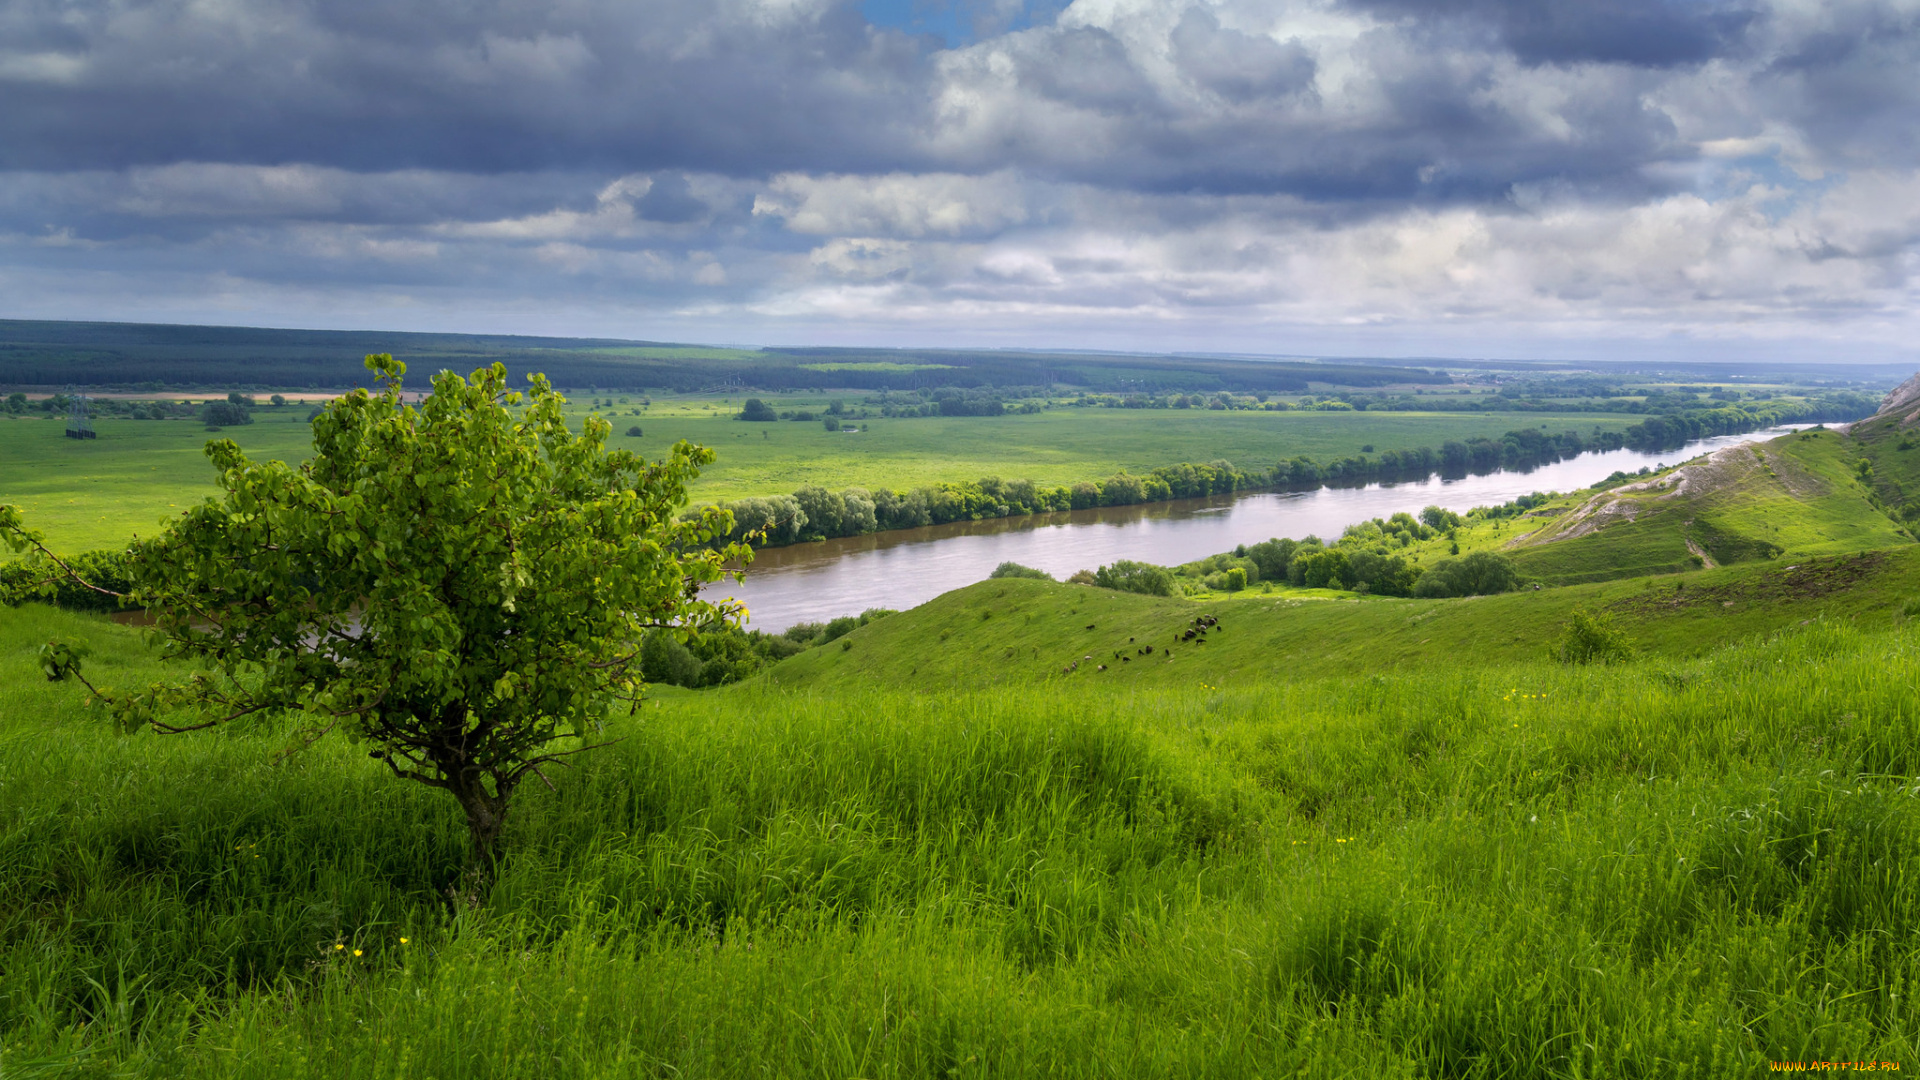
(897, 204)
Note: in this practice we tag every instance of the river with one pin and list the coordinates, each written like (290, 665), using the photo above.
(903, 568)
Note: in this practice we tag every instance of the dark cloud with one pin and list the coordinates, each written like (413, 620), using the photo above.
(1851, 82)
(787, 155)
(1647, 33)
(489, 86)
(1238, 66)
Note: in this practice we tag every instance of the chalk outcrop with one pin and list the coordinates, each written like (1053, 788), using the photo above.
(1904, 402)
(1722, 471)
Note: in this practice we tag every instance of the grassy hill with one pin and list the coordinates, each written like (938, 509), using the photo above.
(1795, 497)
(1009, 632)
(1417, 869)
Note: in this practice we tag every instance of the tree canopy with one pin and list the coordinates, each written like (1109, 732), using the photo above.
(464, 586)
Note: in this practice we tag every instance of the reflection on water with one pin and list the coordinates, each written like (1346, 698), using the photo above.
(907, 567)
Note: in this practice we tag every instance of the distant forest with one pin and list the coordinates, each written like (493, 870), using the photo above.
(137, 357)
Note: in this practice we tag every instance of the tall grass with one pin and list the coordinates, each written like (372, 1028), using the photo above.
(1651, 869)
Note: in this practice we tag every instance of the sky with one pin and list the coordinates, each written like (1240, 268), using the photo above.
(1572, 179)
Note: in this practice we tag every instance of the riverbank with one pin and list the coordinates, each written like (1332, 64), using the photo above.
(901, 568)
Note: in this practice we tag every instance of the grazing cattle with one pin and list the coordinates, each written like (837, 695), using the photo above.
(1089, 626)
(1129, 641)
(1102, 667)
(1126, 659)
(1148, 649)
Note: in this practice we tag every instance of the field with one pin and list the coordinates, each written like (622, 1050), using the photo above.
(1463, 868)
(95, 494)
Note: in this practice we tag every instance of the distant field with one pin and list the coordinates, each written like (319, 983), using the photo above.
(98, 493)
(1055, 447)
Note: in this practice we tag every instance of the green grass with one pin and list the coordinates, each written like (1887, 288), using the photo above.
(1014, 632)
(1513, 870)
(98, 493)
(1800, 496)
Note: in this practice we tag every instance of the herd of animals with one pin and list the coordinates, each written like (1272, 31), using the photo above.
(1194, 633)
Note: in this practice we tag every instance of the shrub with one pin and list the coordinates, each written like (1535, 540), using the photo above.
(225, 414)
(1479, 574)
(633, 432)
(21, 581)
(1015, 570)
(757, 410)
(1126, 575)
(1592, 638)
(832, 423)
(1236, 579)
(824, 510)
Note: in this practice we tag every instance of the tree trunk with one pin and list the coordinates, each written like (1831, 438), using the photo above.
(486, 817)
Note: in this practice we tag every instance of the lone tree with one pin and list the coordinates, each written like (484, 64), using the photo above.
(464, 587)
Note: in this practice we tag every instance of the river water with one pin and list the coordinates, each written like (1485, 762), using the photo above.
(903, 568)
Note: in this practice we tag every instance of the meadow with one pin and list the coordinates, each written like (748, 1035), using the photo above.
(1470, 867)
(97, 493)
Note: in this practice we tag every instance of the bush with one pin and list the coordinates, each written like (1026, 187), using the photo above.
(1015, 570)
(1236, 579)
(757, 410)
(832, 423)
(1479, 574)
(225, 414)
(1592, 638)
(21, 581)
(633, 432)
(1125, 575)
(1083, 577)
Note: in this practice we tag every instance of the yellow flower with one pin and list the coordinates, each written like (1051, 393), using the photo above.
(356, 952)
(403, 941)
(337, 948)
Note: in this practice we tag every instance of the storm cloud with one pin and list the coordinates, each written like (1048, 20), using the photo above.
(1491, 176)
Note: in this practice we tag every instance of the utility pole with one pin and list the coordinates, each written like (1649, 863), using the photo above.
(79, 424)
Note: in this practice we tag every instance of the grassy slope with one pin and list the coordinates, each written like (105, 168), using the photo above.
(1890, 444)
(97, 493)
(1449, 870)
(1015, 632)
(1799, 498)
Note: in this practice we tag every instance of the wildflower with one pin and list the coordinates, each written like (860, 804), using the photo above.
(337, 948)
(403, 941)
(356, 952)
